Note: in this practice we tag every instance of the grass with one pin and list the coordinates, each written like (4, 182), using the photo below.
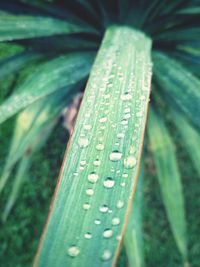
(20, 235)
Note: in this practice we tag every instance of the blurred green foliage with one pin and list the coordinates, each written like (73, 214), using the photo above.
(20, 235)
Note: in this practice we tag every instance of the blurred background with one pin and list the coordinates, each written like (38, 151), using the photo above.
(20, 233)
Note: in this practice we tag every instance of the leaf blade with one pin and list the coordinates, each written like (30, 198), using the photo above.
(180, 86)
(133, 235)
(190, 138)
(23, 27)
(101, 247)
(166, 166)
(61, 72)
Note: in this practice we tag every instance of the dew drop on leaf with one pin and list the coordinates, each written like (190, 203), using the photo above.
(97, 221)
(130, 162)
(120, 135)
(83, 142)
(73, 251)
(97, 162)
(109, 182)
(104, 119)
(87, 127)
(89, 192)
(88, 235)
(139, 114)
(106, 255)
(127, 116)
(93, 177)
(83, 162)
(115, 221)
(120, 204)
(99, 146)
(107, 233)
(104, 208)
(126, 97)
(86, 206)
(127, 110)
(115, 155)
(124, 122)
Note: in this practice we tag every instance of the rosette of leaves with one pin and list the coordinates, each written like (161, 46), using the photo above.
(49, 50)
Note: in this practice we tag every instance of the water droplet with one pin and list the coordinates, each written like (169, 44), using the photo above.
(100, 147)
(122, 184)
(132, 149)
(97, 221)
(93, 177)
(115, 155)
(119, 237)
(104, 119)
(107, 233)
(125, 175)
(130, 162)
(127, 110)
(120, 135)
(87, 127)
(126, 97)
(106, 255)
(73, 251)
(110, 85)
(104, 209)
(83, 142)
(86, 206)
(106, 96)
(97, 162)
(127, 116)
(139, 114)
(83, 162)
(88, 235)
(124, 122)
(90, 192)
(75, 173)
(109, 182)
(115, 221)
(120, 204)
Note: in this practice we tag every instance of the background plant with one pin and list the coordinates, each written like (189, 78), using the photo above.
(42, 92)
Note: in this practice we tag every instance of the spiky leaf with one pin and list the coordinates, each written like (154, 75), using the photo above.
(133, 235)
(56, 74)
(23, 27)
(169, 178)
(179, 85)
(91, 202)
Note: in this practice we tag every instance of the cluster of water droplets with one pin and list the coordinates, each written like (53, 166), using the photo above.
(113, 137)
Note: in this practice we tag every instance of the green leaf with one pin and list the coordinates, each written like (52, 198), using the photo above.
(23, 27)
(37, 142)
(179, 85)
(19, 179)
(190, 10)
(49, 77)
(180, 35)
(12, 64)
(169, 178)
(190, 138)
(133, 235)
(90, 205)
(29, 128)
(190, 60)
